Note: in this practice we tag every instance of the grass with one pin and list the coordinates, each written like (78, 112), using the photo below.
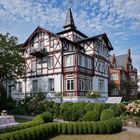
(124, 135)
(21, 120)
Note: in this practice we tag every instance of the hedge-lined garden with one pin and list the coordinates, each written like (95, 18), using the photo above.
(47, 130)
(83, 118)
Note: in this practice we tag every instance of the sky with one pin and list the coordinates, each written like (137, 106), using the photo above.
(119, 19)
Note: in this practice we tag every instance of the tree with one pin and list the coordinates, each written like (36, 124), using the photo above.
(127, 86)
(111, 86)
(93, 94)
(11, 61)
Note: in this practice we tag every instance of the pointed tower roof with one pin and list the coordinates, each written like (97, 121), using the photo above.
(69, 23)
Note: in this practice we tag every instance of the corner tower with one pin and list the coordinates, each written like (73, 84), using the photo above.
(69, 23)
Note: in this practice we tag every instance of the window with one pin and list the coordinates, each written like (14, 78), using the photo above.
(40, 44)
(101, 85)
(51, 84)
(115, 91)
(19, 86)
(101, 66)
(69, 60)
(89, 65)
(70, 84)
(81, 85)
(33, 66)
(50, 62)
(82, 61)
(88, 85)
(114, 76)
(34, 85)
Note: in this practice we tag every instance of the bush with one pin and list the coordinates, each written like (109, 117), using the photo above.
(118, 109)
(94, 127)
(91, 115)
(107, 114)
(89, 106)
(47, 117)
(80, 128)
(44, 131)
(85, 128)
(66, 111)
(109, 126)
(113, 125)
(77, 111)
(59, 128)
(99, 107)
(69, 128)
(101, 127)
(72, 111)
(75, 128)
(118, 124)
(22, 126)
(89, 128)
(64, 128)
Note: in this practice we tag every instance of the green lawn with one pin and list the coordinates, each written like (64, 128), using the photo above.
(21, 120)
(125, 135)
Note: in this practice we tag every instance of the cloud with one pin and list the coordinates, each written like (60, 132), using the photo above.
(120, 19)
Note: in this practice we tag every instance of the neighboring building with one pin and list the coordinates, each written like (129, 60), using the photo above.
(122, 76)
(69, 62)
(139, 82)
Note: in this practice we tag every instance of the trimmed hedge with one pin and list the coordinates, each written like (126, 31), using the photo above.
(37, 120)
(101, 127)
(21, 126)
(91, 115)
(89, 106)
(94, 127)
(44, 131)
(47, 117)
(107, 114)
(99, 107)
(72, 111)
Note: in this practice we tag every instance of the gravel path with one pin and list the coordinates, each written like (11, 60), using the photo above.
(135, 130)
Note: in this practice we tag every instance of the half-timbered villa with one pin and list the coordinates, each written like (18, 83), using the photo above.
(68, 62)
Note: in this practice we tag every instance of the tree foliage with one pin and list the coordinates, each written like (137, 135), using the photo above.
(11, 61)
(93, 94)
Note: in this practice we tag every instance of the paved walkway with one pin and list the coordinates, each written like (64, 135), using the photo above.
(132, 129)
(24, 116)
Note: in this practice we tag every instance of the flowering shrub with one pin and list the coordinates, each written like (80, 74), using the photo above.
(133, 108)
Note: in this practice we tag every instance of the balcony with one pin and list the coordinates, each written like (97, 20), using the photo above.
(37, 51)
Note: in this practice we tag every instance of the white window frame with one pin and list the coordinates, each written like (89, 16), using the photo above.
(88, 85)
(50, 62)
(71, 85)
(35, 85)
(69, 60)
(33, 65)
(81, 85)
(51, 85)
(114, 76)
(101, 85)
(19, 86)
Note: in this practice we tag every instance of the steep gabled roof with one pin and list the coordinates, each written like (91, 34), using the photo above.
(35, 32)
(121, 60)
(96, 37)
